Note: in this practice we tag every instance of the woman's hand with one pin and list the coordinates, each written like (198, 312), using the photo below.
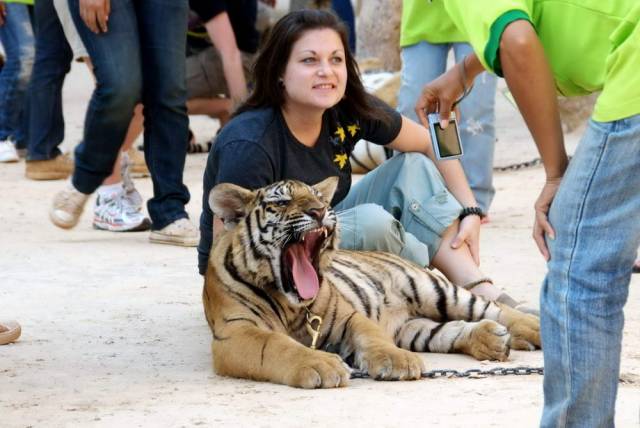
(469, 233)
(541, 226)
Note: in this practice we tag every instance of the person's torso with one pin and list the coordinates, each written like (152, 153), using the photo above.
(427, 20)
(593, 46)
(290, 159)
(242, 15)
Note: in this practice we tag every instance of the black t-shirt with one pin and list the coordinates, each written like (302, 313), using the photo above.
(242, 14)
(256, 148)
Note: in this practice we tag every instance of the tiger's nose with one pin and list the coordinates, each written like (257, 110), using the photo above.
(316, 213)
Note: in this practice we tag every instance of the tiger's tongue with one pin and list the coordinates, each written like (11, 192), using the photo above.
(304, 275)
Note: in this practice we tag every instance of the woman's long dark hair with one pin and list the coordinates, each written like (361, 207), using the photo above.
(274, 55)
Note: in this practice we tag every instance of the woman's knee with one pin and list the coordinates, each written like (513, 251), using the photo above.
(418, 162)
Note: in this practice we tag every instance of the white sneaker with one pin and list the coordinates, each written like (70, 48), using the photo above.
(8, 152)
(132, 197)
(113, 213)
(180, 232)
(67, 207)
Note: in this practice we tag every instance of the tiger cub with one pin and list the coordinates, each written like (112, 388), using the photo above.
(277, 265)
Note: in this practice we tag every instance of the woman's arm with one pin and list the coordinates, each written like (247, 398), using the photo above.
(415, 138)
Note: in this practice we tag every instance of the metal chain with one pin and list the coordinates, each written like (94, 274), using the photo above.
(471, 373)
(518, 166)
(521, 165)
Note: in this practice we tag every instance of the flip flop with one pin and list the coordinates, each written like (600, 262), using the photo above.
(520, 306)
(505, 298)
(9, 332)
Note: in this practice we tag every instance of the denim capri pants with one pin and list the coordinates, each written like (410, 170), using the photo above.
(402, 207)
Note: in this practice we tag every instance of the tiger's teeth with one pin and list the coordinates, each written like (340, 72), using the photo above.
(303, 238)
(324, 232)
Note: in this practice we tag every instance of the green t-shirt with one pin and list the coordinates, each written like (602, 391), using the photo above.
(29, 2)
(427, 20)
(591, 45)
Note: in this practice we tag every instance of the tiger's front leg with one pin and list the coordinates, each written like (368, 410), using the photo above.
(377, 354)
(247, 351)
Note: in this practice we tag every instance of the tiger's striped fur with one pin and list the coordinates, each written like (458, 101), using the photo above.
(376, 306)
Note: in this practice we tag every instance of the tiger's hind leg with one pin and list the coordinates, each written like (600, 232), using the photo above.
(455, 303)
(483, 340)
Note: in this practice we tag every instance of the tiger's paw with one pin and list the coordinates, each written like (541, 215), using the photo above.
(488, 341)
(524, 328)
(525, 332)
(320, 370)
(391, 363)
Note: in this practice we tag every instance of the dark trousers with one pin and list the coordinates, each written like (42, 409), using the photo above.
(140, 59)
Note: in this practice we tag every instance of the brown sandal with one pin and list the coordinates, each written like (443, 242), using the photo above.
(9, 332)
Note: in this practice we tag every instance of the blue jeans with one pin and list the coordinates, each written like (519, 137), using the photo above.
(423, 62)
(52, 63)
(402, 207)
(595, 216)
(140, 58)
(17, 38)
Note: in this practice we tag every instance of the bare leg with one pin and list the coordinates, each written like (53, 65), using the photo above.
(459, 267)
(135, 129)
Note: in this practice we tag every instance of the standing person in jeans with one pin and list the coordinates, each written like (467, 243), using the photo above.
(427, 35)
(586, 224)
(57, 43)
(16, 35)
(138, 51)
(53, 56)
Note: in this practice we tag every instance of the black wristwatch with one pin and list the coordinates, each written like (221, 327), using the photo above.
(471, 211)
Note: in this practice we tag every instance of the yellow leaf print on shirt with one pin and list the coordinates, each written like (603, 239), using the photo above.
(353, 129)
(341, 160)
(340, 133)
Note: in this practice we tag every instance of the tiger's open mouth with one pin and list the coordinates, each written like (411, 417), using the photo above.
(301, 261)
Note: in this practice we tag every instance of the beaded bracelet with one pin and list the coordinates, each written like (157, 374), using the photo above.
(471, 211)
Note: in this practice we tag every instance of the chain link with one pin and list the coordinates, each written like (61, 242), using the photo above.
(471, 373)
(518, 166)
(521, 165)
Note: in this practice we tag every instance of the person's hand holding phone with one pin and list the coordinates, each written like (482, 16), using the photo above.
(439, 96)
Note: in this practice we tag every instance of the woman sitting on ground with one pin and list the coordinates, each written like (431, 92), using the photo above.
(306, 112)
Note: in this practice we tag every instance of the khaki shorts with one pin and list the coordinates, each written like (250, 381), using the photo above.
(205, 75)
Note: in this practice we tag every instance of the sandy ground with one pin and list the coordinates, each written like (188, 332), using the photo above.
(114, 334)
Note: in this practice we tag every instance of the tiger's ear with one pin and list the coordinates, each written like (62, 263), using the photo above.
(327, 187)
(230, 202)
